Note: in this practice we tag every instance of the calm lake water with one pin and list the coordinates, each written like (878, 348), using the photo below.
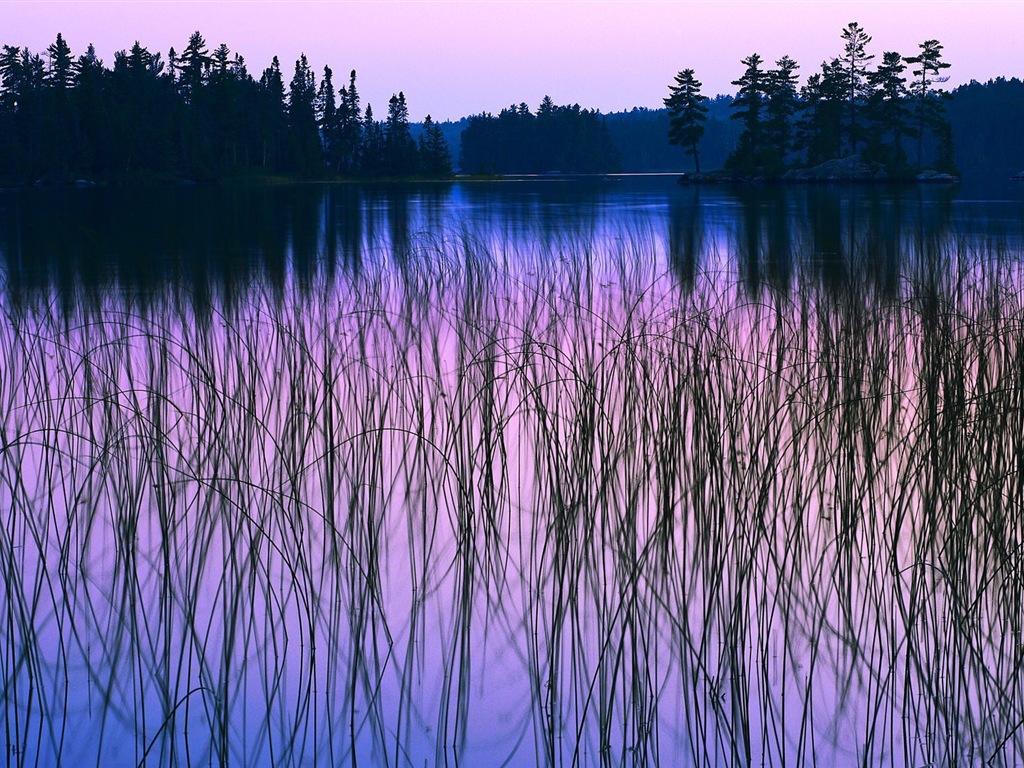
(545, 472)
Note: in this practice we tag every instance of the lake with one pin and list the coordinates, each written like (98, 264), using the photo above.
(536, 472)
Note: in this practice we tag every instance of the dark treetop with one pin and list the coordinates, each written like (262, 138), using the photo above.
(197, 115)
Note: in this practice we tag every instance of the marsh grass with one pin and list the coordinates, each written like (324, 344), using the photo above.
(481, 505)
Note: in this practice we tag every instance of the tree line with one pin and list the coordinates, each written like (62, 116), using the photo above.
(198, 114)
(201, 115)
(988, 122)
(557, 138)
(847, 109)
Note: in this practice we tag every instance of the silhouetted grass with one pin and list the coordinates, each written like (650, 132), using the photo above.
(481, 505)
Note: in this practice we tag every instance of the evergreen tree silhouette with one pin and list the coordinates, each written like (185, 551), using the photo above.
(194, 65)
(819, 129)
(781, 105)
(349, 129)
(929, 108)
(887, 112)
(272, 115)
(327, 117)
(373, 150)
(60, 72)
(89, 97)
(748, 108)
(687, 113)
(435, 156)
(400, 149)
(855, 68)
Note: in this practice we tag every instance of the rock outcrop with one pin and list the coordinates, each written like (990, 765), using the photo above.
(850, 169)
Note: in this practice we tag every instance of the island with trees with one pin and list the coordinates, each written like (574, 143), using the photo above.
(848, 122)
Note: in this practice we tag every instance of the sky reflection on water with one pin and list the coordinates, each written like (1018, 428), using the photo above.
(618, 474)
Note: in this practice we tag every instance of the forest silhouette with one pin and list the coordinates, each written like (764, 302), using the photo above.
(196, 115)
(200, 115)
(848, 109)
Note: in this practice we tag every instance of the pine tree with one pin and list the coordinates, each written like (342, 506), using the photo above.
(56, 108)
(238, 68)
(31, 111)
(302, 93)
(887, 111)
(271, 119)
(855, 67)
(89, 97)
(221, 112)
(373, 157)
(136, 144)
(138, 62)
(272, 83)
(930, 112)
(349, 129)
(305, 149)
(11, 158)
(780, 108)
(88, 62)
(244, 114)
(687, 113)
(10, 77)
(435, 156)
(194, 64)
(327, 117)
(819, 128)
(220, 61)
(547, 154)
(400, 147)
(22, 75)
(61, 68)
(748, 106)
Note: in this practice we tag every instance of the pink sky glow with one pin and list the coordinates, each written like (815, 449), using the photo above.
(456, 57)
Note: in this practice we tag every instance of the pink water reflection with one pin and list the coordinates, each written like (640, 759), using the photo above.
(554, 500)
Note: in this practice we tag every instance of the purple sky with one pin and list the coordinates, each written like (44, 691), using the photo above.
(456, 58)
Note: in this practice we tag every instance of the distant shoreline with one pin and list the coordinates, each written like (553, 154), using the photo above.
(716, 178)
(731, 180)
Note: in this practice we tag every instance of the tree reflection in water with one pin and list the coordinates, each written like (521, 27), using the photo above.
(586, 477)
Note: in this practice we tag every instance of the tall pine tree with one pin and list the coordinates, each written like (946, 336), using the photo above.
(687, 113)
(855, 68)
(304, 148)
(748, 108)
(887, 113)
(780, 108)
(400, 148)
(930, 112)
(435, 156)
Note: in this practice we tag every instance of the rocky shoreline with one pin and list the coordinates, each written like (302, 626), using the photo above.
(852, 169)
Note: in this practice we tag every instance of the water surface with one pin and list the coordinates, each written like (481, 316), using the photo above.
(546, 472)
